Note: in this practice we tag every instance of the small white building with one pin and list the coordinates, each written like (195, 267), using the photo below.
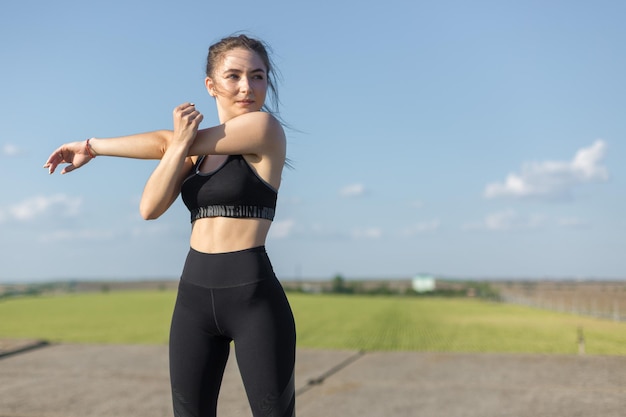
(424, 283)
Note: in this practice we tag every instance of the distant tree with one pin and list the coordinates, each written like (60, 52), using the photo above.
(339, 285)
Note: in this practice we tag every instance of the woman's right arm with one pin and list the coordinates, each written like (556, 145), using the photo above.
(150, 145)
(163, 186)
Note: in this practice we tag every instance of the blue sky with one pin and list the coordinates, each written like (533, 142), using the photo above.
(477, 139)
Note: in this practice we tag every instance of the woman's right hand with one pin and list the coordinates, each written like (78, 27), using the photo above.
(186, 122)
(74, 153)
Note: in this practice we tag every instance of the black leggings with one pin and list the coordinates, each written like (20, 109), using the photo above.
(226, 297)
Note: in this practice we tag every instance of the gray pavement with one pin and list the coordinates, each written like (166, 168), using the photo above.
(66, 380)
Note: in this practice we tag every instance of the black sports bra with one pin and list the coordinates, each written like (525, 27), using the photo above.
(232, 190)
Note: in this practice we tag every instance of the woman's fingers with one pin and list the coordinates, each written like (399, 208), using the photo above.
(188, 114)
(198, 119)
(184, 109)
(54, 160)
(69, 153)
(68, 168)
(186, 122)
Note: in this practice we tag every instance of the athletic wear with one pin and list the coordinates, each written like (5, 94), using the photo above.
(232, 190)
(231, 297)
(226, 297)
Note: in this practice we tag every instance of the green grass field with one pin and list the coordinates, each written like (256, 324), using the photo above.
(324, 321)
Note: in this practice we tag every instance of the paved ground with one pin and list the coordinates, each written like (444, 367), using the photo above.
(39, 380)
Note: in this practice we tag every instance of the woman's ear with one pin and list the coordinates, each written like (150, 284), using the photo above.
(210, 86)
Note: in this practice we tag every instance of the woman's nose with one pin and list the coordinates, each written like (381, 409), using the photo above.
(244, 84)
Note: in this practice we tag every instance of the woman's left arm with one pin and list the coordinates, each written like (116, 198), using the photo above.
(149, 145)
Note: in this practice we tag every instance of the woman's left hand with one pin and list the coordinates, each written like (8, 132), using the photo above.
(74, 153)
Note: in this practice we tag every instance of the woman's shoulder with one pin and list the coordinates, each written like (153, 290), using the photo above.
(264, 125)
(262, 119)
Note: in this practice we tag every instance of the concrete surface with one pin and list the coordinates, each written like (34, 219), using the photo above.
(50, 380)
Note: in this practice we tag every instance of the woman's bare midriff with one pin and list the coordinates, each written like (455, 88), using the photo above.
(224, 234)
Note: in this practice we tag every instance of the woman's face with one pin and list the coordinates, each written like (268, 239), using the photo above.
(239, 83)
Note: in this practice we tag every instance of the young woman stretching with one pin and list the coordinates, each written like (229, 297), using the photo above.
(228, 177)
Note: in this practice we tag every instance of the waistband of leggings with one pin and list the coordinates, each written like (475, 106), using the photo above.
(227, 269)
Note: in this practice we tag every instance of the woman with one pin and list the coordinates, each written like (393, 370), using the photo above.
(228, 177)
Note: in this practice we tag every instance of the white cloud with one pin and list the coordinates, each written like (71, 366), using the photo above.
(151, 229)
(353, 190)
(38, 206)
(9, 150)
(322, 231)
(368, 233)
(507, 220)
(85, 234)
(571, 222)
(282, 229)
(427, 226)
(553, 178)
(422, 227)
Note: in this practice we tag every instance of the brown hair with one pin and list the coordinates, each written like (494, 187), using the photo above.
(218, 49)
